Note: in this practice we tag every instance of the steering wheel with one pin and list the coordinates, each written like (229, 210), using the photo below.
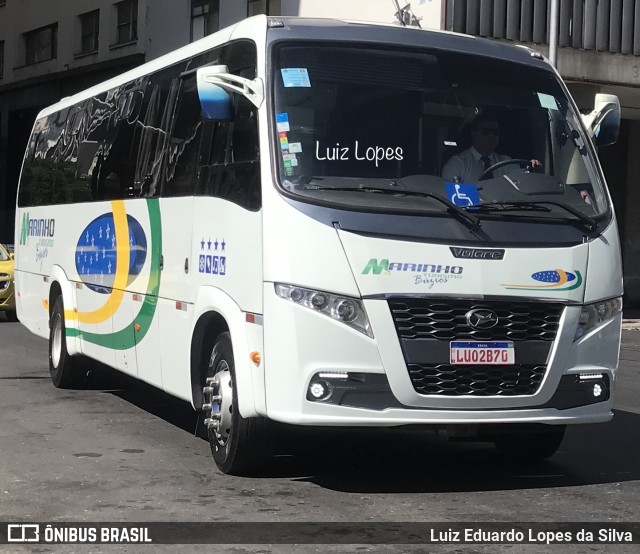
(520, 161)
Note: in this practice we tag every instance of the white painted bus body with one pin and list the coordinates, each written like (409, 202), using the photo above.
(281, 244)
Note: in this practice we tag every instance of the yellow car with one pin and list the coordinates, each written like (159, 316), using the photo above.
(7, 298)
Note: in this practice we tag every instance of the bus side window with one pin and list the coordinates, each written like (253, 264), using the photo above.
(153, 127)
(38, 173)
(71, 186)
(119, 152)
(230, 158)
(184, 144)
(90, 155)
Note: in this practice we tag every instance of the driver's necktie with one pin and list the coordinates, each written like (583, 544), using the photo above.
(486, 161)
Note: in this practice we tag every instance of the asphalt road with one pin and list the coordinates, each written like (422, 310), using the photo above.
(123, 451)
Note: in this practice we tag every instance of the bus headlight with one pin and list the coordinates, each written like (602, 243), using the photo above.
(347, 310)
(596, 314)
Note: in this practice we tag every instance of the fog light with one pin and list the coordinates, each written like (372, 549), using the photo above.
(597, 390)
(319, 390)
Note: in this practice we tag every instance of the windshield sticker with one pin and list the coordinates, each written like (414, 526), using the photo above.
(212, 261)
(556, 279)
(295, 147)
(462, 195)
(295, 77)
(282, 122)
(284, 143)
(291, 158)
(547, 101)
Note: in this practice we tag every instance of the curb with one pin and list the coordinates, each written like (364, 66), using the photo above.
(631, 324)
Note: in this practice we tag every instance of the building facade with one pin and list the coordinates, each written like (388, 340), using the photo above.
(49, 50)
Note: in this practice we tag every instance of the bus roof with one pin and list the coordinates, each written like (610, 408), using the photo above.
(301, 28)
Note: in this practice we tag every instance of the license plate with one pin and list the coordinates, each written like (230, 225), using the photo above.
(482, 353)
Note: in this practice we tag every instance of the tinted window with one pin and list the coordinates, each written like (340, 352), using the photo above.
(184, 145)
(217, 158)
(116, 144)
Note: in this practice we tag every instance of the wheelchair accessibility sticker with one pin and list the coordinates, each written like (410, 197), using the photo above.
(462, 195)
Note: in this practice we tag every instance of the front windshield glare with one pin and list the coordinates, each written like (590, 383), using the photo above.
(476, 131)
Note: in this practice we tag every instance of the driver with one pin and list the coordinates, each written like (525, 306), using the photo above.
(470, 164)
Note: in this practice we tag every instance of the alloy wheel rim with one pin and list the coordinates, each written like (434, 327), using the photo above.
(56, 342)
(221, 401)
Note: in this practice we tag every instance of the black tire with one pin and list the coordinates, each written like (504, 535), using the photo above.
(244, 446)
(530, 446)
(65, 370)
(12, 316)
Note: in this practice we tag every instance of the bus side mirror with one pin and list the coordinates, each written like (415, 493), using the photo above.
(214, 85)
(216, 102)
(603, 123)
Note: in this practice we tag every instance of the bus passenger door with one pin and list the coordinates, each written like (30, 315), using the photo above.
(175, 302)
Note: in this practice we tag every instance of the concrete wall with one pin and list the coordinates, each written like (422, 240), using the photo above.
(232, 11)
(380, 11)
(20, 16)
(168, 27)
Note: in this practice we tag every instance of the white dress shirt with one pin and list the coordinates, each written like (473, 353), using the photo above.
(468, 166)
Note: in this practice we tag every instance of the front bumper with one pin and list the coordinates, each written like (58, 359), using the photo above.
(301, 344)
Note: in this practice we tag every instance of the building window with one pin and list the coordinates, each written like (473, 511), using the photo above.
(1, 58)
(127, 30)
(89, 29)
(41, 45)
(268, 7)
(205, 18)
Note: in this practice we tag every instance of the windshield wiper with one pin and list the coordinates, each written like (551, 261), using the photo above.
(589, 222)
(470, 220)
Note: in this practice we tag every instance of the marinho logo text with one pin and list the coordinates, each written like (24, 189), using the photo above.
(383, 265)
(36, 228)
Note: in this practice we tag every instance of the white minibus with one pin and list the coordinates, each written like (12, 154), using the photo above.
(329, 223)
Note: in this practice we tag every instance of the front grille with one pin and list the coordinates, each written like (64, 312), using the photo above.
(425, 326)
(444, 319)
(458, 380)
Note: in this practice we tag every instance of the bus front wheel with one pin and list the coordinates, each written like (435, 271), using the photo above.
(64, 369)
(239, 445)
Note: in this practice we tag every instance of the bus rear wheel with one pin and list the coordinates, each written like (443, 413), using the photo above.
(530, 446)
(239, 445)
(65, 370)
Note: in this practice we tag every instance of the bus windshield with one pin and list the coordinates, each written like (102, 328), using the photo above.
(371, 127)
